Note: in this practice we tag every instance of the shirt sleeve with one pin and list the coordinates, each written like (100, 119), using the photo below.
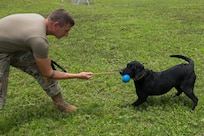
(39, 47)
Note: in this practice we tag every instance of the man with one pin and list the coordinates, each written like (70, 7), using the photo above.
(23, 44)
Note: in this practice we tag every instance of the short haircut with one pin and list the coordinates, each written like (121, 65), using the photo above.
(62, 17)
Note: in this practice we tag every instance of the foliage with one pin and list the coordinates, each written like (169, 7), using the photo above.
(107, 35)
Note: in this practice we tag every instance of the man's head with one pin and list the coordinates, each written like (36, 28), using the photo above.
(62, 17)
(59, 23)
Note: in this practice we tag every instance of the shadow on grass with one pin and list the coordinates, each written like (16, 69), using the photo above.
(13, 121)
(164, 102)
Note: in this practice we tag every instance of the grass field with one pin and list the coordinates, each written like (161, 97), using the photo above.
(107, 35)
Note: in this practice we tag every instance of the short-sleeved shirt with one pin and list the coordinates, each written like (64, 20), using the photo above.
(24, 32)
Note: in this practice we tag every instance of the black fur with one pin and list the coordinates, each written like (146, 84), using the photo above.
(147, 82)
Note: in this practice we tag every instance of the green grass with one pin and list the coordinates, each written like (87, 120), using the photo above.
(107, 35)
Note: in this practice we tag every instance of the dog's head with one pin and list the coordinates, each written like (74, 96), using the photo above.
(134, 69)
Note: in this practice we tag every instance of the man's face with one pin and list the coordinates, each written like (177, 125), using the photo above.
(61, 31)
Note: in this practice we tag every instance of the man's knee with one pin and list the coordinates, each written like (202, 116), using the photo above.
(52, 88)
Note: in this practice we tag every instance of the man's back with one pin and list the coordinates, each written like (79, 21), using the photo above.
(15, 30)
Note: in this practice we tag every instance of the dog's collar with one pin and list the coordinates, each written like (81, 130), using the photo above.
(140, 77)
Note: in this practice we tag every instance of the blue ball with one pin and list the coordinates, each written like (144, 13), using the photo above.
(126, 78)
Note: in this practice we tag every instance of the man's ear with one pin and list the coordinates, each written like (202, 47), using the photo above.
(55, 24)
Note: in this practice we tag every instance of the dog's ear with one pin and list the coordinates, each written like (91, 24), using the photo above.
(139, 67)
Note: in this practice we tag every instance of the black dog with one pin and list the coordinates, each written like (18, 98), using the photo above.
(147, 82)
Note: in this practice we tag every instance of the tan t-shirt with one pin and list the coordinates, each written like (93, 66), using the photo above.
(24, 32)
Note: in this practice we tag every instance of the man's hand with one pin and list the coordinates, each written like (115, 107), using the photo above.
(85, 75)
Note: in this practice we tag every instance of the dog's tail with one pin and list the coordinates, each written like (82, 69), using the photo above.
(190, 61)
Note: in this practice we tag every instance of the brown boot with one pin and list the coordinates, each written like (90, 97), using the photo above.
(60, 104)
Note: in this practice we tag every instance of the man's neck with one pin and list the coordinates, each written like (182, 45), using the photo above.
(48, 27)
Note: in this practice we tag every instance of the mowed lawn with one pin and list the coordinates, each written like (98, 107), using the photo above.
(107, 35)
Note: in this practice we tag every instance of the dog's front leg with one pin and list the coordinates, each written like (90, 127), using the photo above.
(138, 102)
(142, 97)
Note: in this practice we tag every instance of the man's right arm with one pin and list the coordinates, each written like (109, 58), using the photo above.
(46, 70)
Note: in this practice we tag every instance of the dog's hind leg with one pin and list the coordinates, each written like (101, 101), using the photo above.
(188, 87)
(179, 89)
(193, 98)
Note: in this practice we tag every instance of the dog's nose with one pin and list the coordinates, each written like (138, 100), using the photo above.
(121, 72)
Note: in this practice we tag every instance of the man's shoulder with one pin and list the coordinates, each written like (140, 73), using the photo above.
(22, 16)
(30, 16)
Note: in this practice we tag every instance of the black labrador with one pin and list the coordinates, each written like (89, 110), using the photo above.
(148, 83)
